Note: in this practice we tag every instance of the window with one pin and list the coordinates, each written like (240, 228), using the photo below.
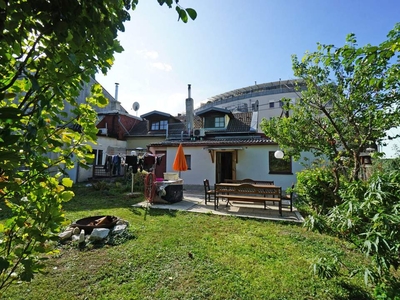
(279, 166)
(189, 161)
(214, 122)
(161, 125)
(219, 122)
(98, 157)
(271, 104)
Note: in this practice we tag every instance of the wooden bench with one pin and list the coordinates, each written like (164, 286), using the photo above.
(249, 193)
(251, 181)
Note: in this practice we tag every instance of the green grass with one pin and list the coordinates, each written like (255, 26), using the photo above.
(232, 258)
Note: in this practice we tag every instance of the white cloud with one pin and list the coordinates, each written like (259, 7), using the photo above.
(162, 66)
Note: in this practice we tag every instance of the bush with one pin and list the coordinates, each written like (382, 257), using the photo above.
(138, 185)
(315, 187)
(100, 185)
(369, 218)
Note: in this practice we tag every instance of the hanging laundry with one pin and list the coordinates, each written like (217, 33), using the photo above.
(132, 161)
(148, 161)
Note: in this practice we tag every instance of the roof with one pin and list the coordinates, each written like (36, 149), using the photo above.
(214, 109)
(240, 123)
(116, 112)
(275, 85)
(244, 141)
(155, 113)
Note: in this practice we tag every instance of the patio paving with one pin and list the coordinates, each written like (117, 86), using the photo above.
(193, 201)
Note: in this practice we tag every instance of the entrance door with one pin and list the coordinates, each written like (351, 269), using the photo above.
(224, 166)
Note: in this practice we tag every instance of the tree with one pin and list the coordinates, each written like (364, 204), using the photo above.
(48, 50)
(352, 99)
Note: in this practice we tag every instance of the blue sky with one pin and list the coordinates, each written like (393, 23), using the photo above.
(231, 44)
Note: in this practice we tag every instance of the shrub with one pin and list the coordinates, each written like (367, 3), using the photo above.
(369, 218)
(138, 184)
(315, 187)
(100, 185)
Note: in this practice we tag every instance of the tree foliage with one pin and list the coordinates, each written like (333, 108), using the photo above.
(48, 51)
(369, 218)
(352, 99)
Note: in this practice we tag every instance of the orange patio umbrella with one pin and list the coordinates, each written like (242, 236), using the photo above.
(180, 161)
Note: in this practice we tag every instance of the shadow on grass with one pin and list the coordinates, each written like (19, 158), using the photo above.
(88, 199)
(153, 212)
(355, 292)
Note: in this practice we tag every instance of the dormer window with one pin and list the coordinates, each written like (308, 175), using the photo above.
(219, 122)
(161, 125)
(214, 122)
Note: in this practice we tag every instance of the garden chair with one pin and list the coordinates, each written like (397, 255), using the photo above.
(288, 197)
(208, 192)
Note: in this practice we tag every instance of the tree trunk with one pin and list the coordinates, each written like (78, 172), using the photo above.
(356, 168)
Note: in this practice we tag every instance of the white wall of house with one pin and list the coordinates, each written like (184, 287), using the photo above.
(201, 166)
(105, 144)
(253, 162)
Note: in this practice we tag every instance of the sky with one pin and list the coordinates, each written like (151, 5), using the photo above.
(232, 44)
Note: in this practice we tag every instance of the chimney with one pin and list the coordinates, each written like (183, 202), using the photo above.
(189, 111)
(116, 91)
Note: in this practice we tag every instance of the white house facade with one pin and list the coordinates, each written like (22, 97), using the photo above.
(238, 159)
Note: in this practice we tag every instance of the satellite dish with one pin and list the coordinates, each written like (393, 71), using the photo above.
(135, 106)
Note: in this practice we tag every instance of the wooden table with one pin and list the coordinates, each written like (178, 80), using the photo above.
(248, 192)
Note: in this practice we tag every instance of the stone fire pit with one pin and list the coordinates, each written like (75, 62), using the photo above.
(90, 223)
(95, 228)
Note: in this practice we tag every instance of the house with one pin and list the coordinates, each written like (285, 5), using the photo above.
(219, 143)
(114, 122)
(226, 146)
(265, 98)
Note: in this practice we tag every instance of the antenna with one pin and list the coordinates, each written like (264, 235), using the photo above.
(135, 106)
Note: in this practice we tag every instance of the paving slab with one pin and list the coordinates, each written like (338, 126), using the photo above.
(194, 202)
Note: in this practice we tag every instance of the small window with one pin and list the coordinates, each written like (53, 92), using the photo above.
(279, 166)
(271, 104)
(161, 125)
(189, 161)
(219, 122)
(155, 126)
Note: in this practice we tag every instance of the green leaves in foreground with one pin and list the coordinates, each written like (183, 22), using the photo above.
(184, 13)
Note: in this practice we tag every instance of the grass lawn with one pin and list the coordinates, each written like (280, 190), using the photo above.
(182, 255)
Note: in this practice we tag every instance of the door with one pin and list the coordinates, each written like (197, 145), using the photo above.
(224, 166)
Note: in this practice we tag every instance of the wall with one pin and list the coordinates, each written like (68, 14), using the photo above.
(118, 125)
(103, 143)
(134, 142)
(201, 166)
(253, 162)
